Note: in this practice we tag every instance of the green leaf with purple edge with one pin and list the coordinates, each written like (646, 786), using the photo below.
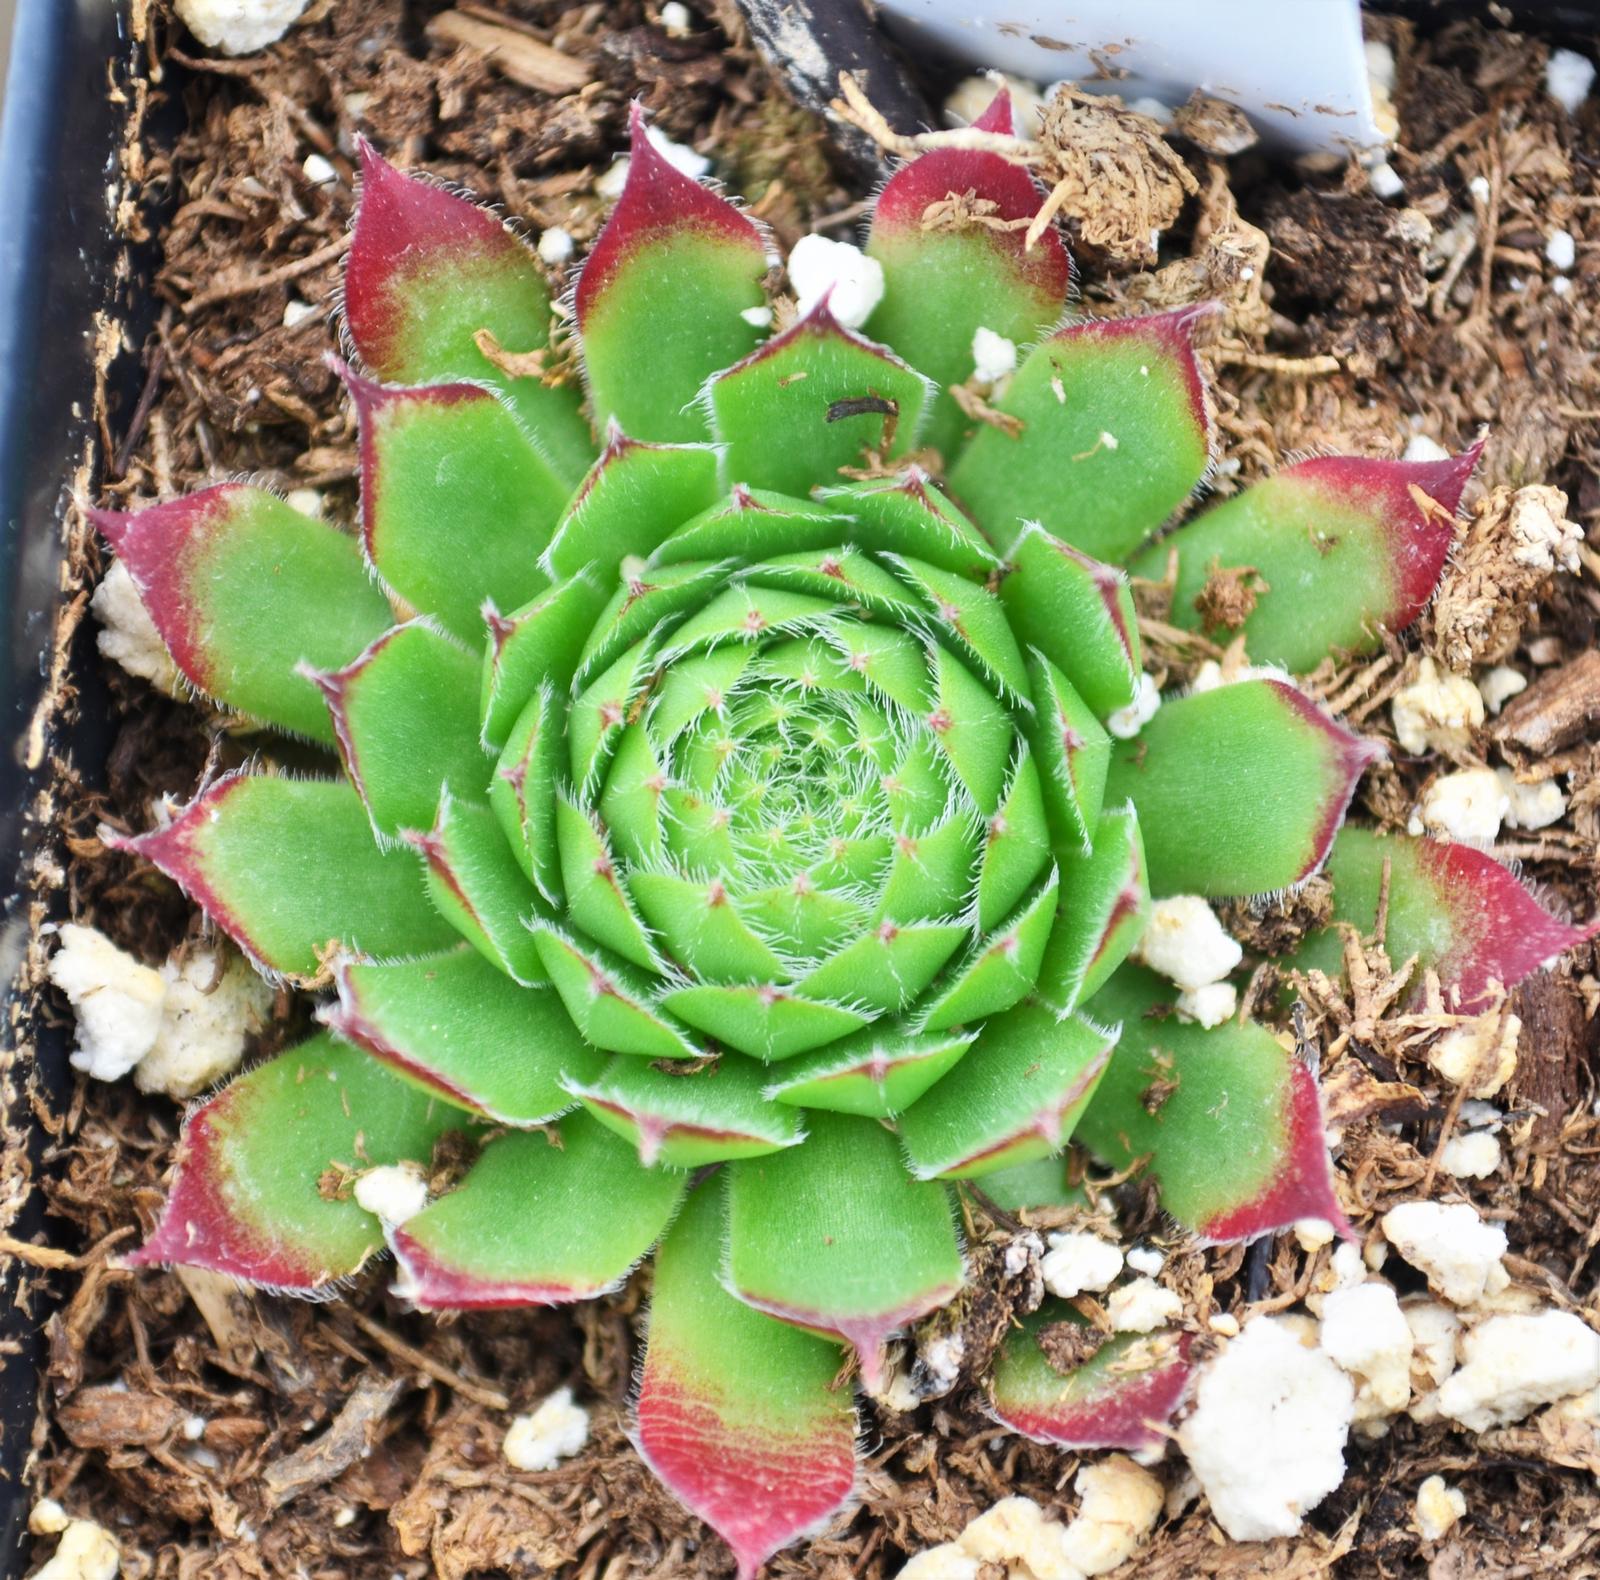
(536, 647)
(460, 1028)
(243, 591)
(426, 272)
(879, 1072)
(1016, 844)
(404, 717)
(907, 514)
(1229, 1120)
(1456, 909)
(738, 1415)
(522, 793)
(952, 266)
(1042, 1182)
(250, 1199)
(999, 970)
(1239, 790)
(456, 501)
(675, 269)
(612, 1003)
(1121, 1397)
(1342, 545)
(689, 1119)
(1016, 1097)
(1078, 613)
(832, 394)
(833, 1236)
(477, 886)
(1105, 902)
(287, 866)
(540, 1220)
(764, 1020)
(1115, 435)
(1074, 755)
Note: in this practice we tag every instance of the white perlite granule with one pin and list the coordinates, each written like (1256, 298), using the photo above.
(1185, 943)
(1267, 1436)
(128, 636)
(839, 270)
(1452, 1245)
(239, 27)
(557, 1430)
(1510, 1365)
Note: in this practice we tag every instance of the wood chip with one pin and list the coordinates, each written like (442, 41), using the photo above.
(1556, 709)
(524, 60)
(349, 1438)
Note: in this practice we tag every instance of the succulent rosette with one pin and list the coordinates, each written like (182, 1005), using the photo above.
(730, 842)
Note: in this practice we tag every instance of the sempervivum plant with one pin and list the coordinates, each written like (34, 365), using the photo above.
(730, 849)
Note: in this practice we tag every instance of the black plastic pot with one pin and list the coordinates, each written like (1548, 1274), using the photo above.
(59, 135)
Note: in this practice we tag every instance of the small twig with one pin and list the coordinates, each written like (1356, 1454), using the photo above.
(226, 290)
(856, 108)
(478, 1393)
(1287, 367)
(57, 1261)
(141, 413)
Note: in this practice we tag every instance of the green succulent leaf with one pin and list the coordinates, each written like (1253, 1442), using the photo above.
(878, 1073)
(540, 1220)
(834, 1237)
(1041, 1182)
(1239, 790)
(1228, 1121)
(677, 269)
(1121, 1397)
(245, 592)
(256, 1195)
(1074, 756)
(1105, 902)
(1114, 434)
(908, 515)
(737, 1414)
(456, 500)
(1017, 1097)
(288, 868)
(461, 1029)
(611, 1002)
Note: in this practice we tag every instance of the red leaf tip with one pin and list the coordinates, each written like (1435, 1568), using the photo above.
(999, 116)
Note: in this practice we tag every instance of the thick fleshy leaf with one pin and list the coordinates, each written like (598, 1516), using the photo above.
(243, 591)
(460, 1028)
(999, 970)
(457, 504)
(536, 647)
(1115, 434)
(427, 272)
(1239, 790)
(737, 1414)
(877, 1074)
(405, 718)
(1457, 910)
(1016, 847)
(1016, 1097)
(634, 497)
(523, 791)
(1121, 1397)
(1343, 546)
(613, 1003)
(908, 515)
(973, 621)
(1230, 1119)
(1074, 756)
(687, 1120)
(836, 1237)
(954, 258)
(252, 1198)
(1105, 901)
(539, 1221)
(671, 278)
(477, 885)
(751, 522)
(761, 1019)
(288, 867)
(831, 394)
(1078, 613)
(1043, 1182)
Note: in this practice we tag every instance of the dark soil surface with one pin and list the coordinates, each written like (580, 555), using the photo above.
(354, 1439)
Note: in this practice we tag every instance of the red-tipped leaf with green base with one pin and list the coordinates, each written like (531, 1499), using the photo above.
(737, 1413)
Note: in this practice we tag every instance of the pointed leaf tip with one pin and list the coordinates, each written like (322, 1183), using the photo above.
(998, 117)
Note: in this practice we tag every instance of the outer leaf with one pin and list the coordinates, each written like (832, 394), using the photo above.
(1045, 1182)
(1342, 544)
(427, 271)
(834, 1237)
(877, 1074)
(674, 269)
(456, 502)
(1116, 433)
(686, 1121)
(243, 591)
(952, 263)
(737, 1414)
(461, 1029)
(808, 385)
(1014, 1099)
(536, 647)
(287, 867)
(1122, 1397)
(1230, 1120)
(1239, 790)
(403, 715)
(1078, 613)
(540, 1221)
(1459, 911)
(251, 1200)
